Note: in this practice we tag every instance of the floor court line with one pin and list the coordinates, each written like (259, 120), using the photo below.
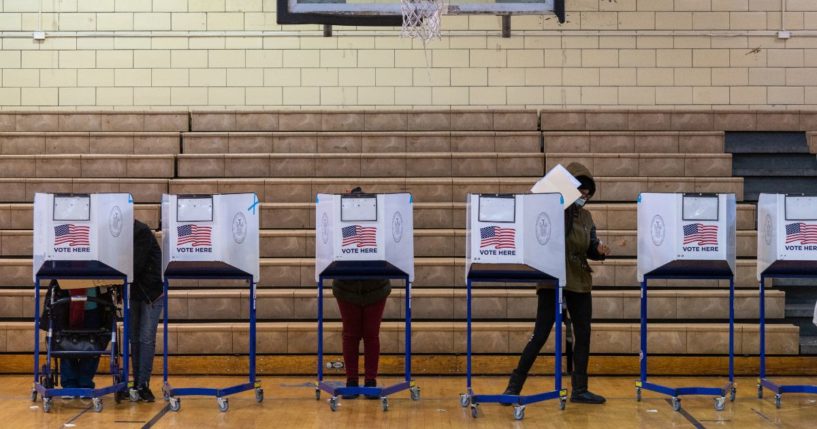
(157, 417)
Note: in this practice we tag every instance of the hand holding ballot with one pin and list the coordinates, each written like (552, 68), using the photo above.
(558, 179)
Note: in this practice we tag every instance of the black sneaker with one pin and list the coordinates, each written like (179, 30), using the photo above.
(351, 383)
(587, 397)
(371, 383)
(146, 395)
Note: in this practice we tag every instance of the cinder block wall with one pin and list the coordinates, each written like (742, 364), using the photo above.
(140, 54)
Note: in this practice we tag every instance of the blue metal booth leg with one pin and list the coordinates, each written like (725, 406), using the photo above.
(172, 393)
(46, 379)
(676, 393)
(472, 400)
(762, 381)
(382, 392)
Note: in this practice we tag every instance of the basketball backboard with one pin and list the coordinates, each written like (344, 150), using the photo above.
(387, 13)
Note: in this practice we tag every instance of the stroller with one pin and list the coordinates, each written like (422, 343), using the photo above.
(65, 342)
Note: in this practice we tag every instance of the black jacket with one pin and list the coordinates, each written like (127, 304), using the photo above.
(147, 264)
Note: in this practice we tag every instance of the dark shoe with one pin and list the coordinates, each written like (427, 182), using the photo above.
(371, 383)
(146, 395)
(515, 383)
(351, 383)
(587, 397)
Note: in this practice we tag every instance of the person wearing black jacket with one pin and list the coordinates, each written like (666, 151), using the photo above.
(145, 306)
(581, 244)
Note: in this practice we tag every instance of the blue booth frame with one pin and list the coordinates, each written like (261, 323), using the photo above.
(171, 393)
(676, 392)
(120, 379)
(382, 392)
(762, 381)
(518, 401)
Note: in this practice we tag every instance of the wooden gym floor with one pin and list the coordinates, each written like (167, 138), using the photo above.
(290, 403)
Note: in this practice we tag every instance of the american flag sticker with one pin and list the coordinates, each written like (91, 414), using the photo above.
(72, 235)
(801, 232)
(497, 236)
(359, 236)
(701, 234)
(195, 235)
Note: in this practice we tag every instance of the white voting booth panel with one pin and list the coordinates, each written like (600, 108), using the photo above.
(686, 234)
(210, 235)
(83, 235)
(516, 233)
(351, 230)
(786, 233)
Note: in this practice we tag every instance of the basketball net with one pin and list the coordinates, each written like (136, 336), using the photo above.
(421, 19)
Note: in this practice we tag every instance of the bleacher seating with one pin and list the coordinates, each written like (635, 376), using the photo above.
(287, 157)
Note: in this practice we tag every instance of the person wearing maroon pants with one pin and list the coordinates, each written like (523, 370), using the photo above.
(361, 304)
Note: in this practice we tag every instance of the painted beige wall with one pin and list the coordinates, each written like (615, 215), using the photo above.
(230, 53)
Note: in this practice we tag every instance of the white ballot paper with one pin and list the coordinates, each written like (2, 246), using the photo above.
(559, 180)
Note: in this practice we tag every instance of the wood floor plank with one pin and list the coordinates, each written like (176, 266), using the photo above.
(290, 403)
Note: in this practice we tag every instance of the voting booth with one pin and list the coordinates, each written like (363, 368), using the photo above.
(515, 238)
(81, 241)
(364, 236)
(88, 235)
(212, 237)
(364, 232)
(686, 236)
(786, 234)
(786, 248)
(518, 235)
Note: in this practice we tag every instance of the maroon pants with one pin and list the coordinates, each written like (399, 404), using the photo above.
(361, 322)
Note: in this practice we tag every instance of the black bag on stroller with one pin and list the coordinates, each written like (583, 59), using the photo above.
(77, 343)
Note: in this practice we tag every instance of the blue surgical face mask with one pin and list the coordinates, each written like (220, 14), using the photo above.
(580, 202)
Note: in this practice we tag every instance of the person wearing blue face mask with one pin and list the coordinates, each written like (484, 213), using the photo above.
(581, 244)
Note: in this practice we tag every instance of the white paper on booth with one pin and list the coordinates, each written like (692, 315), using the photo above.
(558, 179)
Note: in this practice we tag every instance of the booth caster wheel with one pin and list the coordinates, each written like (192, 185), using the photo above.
(259, 395)
(134, 395)
(47, 403)
(97, 405)
(519, 412)
(733, 393)
(384, 401)
(638, 394)
(777, 399)
(676, 403)
(333, 403)
(474, 410)
(759, 391)
(465, 400)
(223, 404)
(562, 403)
(415, 393)
(175, 403)
(720, 403)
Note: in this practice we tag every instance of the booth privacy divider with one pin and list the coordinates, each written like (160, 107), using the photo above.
(211, 237)
(513, 239)
(786, 249)
(82, 241)
(365, 236)
(686, 236)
